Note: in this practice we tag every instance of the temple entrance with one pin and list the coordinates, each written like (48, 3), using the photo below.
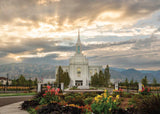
(78, 82)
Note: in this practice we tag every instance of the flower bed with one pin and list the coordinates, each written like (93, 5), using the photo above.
(53, 101)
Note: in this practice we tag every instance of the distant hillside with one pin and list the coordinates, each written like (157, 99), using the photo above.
(28, 70)
(136, 75)
(48, 71)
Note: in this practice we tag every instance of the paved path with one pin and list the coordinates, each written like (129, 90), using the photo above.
(13, 99)
(12, 109)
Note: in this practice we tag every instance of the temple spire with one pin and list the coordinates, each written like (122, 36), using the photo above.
(78, 44)
(78, 41)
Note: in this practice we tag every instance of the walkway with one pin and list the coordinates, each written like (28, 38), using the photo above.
(13, 99)
(14, 108)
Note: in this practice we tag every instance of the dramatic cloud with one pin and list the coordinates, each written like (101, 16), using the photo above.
(123, 33)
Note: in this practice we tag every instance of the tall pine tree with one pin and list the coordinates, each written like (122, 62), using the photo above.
(107, 76)
(62, 77)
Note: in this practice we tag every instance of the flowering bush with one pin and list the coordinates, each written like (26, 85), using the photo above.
(145, 91)
(50, 95)
(104, 103)
(118, 92)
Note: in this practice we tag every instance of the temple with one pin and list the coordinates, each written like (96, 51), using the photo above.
(79, 70)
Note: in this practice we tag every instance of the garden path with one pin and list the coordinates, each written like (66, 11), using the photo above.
(12, 109)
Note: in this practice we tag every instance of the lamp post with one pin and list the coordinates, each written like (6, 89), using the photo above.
(7, 80)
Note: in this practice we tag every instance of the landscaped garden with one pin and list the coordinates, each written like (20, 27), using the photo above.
(53, 101)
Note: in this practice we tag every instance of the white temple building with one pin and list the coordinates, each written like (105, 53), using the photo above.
(79, 70)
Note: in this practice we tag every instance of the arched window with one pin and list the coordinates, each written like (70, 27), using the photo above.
(78, 72)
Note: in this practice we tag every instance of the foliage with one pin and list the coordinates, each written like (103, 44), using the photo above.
(149, 105)
(104, 103)
(144, 81)
(145, 91)
(31, 110)
(27, 104)
(154, 82)
(89, 94)
(50, 95)
(118, 92)
(101, 79)
(74, 88)
(134, 100)
(62, 76)
(54, 108)
(107, 76)
(76, 99)
(88, 101)
(21, 81)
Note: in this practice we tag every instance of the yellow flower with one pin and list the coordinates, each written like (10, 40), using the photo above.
(114, 101)
(110, 96)
(117, 97)
(105, 95)
(110, 109)
(105, 90)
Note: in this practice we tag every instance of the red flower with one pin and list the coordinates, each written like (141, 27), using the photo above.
(48, 87)
(58, 89)
(53, 90)
(44, 94)
(56, 93)
(46, 91)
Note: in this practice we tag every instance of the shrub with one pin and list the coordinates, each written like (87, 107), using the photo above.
(26, 104)
(118, 92)
(104, 103)
(51, 95)
(88, 100)
(145, 91)
(149, 105)
(89, 94)
(74, 88)
(68, 98)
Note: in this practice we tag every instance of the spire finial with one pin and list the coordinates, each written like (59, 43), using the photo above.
(78, 41)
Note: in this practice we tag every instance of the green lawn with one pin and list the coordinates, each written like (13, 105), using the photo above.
(15, 94)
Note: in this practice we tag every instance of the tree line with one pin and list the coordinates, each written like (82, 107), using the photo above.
(144, 81)
(101, 79)
(62, 77)
(21, 81)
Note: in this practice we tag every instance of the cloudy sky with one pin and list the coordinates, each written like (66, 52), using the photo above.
(121, 33)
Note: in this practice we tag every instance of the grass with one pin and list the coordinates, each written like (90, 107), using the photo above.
(16, 94)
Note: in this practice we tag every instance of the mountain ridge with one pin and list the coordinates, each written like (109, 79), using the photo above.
(48, 71)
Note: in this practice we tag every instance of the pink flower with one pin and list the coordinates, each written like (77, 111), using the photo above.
(56, 93)
(52, 90)
(48, 87)
(58, 89)
(46, 91)
(44, 94)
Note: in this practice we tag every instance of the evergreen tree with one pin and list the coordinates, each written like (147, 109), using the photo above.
(126, 82)
(59, 75)
(66, 79)
(21, 81)
(94, 80)
(35, 81)
(154, 81)
(132, 82)
(106, 76)
(101, 79)
(144, 81)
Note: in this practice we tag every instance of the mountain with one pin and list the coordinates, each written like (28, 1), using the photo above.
(134, 74)
(48, 71)
(28, 70)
